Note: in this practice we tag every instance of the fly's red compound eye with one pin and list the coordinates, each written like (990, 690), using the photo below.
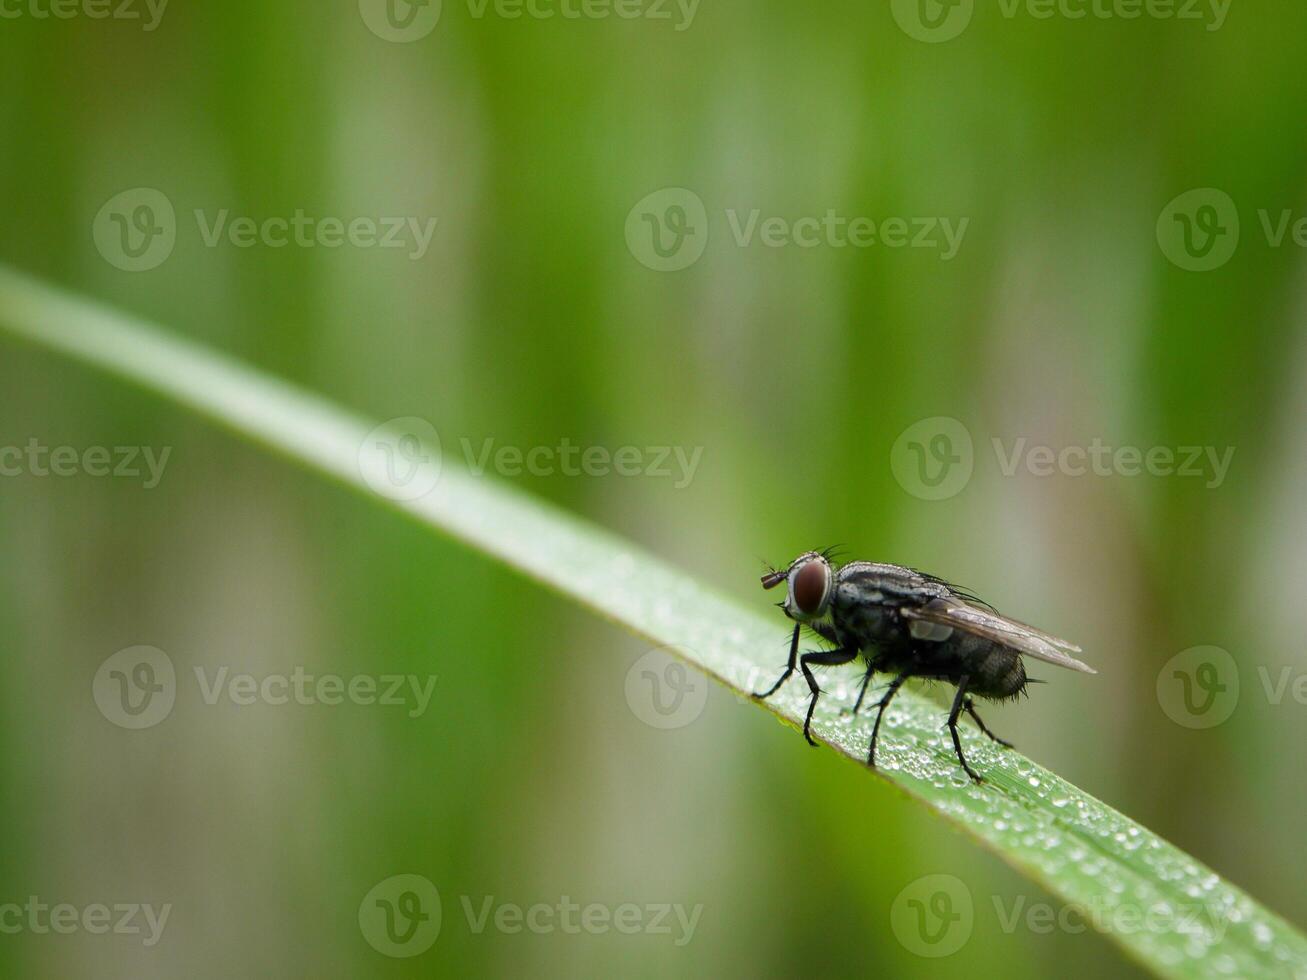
(810, 587)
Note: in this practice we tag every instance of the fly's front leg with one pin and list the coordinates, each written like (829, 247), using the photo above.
(794, 653)
(820, 658)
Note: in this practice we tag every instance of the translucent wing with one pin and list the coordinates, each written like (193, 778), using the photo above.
(1024, 639)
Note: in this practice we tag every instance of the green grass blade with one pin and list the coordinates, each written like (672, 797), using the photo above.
(1072, 844)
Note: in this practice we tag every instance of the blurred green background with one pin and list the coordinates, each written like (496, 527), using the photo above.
(531, 319)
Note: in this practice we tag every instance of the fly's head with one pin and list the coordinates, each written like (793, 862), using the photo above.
(809, 582)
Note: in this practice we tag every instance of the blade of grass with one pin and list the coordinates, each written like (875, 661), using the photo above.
(1194, 924)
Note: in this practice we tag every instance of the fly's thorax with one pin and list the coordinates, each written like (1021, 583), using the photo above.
(894, 585)
(857, 590)
(860, 609)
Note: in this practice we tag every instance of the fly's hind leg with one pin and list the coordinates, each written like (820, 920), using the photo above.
(866, 682)
(881, 705)
(971, 710)
(959, 700)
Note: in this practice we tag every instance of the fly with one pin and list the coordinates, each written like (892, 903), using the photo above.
(909, 624)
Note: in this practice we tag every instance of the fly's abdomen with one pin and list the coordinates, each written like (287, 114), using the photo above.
(996, 673)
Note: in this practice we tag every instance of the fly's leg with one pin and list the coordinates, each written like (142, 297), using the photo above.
(794, 653)
(959, 700)
(970, 709)
(820, 658)
(866, 682)
(882, 704)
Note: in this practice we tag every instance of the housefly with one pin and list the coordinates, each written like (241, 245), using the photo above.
(908, 624)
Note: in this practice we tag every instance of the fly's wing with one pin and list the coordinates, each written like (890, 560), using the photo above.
(1024, 639)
